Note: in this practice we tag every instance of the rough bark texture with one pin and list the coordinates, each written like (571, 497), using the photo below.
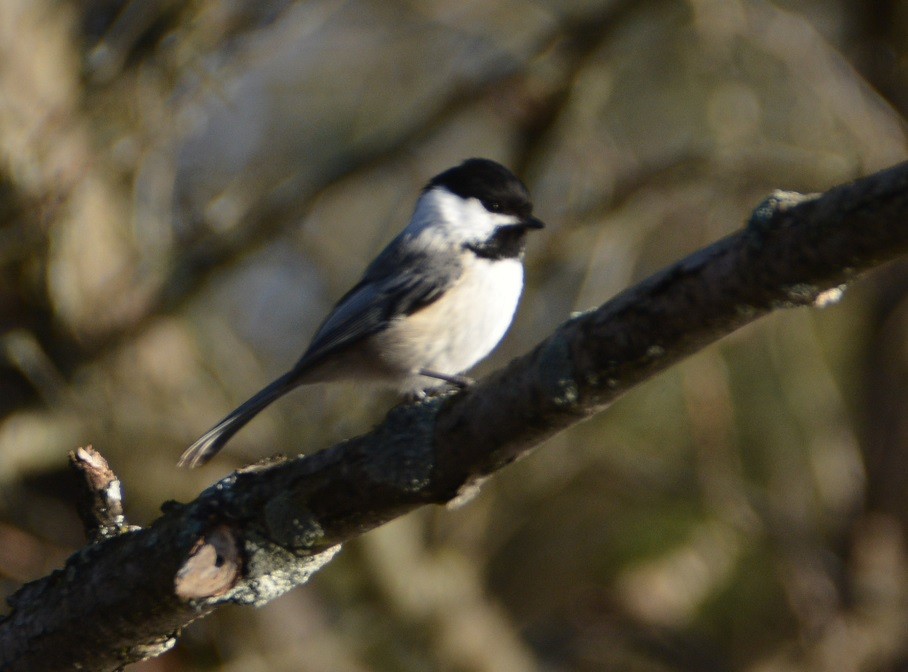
(267, 528)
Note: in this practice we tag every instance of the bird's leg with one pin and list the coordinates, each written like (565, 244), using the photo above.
(456, 380)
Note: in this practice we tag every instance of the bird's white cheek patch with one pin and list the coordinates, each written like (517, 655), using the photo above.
(447, 216)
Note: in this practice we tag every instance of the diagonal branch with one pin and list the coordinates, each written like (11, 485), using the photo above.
(267, 528)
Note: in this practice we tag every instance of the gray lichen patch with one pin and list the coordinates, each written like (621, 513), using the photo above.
(829, 297)
(764, 216)
(290, 524)
(798, 294)
(272, 571)
(655, 352)
(556, 372)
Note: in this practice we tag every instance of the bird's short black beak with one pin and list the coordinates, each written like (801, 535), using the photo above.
(533, 223)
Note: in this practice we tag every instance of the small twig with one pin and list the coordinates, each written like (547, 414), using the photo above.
(100, 504)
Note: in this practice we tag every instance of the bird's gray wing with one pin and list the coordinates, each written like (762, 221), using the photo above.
(396, 284)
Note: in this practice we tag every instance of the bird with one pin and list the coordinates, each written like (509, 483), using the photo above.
(433, 303)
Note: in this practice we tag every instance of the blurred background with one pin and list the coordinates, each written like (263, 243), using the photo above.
(187, 187)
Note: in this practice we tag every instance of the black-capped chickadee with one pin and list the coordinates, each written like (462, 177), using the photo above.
(435, 302)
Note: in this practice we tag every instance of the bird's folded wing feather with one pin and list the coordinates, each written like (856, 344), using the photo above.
(396, 284)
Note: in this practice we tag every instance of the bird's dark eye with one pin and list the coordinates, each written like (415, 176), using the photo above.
(495, 207)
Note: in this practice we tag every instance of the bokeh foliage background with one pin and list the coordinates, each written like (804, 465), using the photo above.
(186, 188)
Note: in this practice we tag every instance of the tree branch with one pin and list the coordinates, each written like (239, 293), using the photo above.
(267, 528)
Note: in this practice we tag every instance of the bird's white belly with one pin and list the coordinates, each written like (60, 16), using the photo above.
(459, 329)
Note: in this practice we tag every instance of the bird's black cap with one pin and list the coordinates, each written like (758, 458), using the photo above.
(496, 187)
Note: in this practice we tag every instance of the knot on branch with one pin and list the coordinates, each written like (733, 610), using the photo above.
(768, 214)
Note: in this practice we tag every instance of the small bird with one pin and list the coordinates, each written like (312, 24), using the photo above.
(432, 304)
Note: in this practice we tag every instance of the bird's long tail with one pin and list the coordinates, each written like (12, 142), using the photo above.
(214, 439)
